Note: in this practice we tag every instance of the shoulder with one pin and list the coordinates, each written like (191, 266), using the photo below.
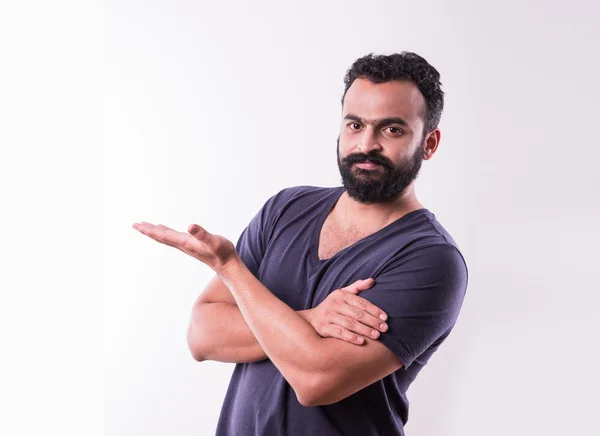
(295, 193)
(443, 260)
(292, 202)
(429, 261)
(426, 251)
(431, 241)
(302, 196)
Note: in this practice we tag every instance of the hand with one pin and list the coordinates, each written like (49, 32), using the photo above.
(213, 250)
(344, 315)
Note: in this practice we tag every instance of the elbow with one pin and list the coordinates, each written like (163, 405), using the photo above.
(306, 399)
(304, 395)
(313, 400)
(316, 384)
(312, 391)
(195, 345)
(321, 389)
(197, 355)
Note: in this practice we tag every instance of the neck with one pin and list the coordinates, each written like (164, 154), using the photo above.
(377, 215)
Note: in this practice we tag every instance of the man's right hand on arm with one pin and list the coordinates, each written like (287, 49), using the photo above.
(217, 330)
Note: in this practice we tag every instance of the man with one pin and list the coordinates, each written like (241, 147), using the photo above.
(313, 357)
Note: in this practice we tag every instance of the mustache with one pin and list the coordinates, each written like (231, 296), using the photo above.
(361, 158)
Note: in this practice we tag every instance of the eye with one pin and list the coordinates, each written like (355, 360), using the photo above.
(352, 124)
(395, 131)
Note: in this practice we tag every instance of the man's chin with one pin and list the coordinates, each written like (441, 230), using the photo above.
(363, 174)
(362, 197)
(362, 188)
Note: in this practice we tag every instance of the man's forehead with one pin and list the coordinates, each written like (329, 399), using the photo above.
(374, 102)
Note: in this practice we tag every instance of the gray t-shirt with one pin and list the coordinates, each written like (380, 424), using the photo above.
(420, 282)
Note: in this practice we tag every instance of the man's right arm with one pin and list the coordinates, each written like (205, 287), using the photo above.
(217, 330)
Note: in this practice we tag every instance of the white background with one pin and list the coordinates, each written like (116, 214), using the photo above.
(211, 108)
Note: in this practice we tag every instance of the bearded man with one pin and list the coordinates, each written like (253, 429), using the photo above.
(313, 357)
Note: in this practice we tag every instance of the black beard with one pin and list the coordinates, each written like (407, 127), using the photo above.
(379, 185)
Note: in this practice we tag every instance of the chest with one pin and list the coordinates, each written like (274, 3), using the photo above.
(334, 237)
(293, 266)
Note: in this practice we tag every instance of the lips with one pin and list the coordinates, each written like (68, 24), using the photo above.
(367, 165)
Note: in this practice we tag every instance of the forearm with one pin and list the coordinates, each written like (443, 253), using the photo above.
(217, 331)
(286, 337)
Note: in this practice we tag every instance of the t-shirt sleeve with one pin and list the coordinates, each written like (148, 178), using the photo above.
(422, 294)
(253, 240)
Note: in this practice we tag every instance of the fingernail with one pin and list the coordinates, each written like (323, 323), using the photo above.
(383, 316)
(360, 340)
(383, 326)
(374, 333)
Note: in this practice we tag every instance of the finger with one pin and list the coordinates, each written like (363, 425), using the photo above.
(353, 325)
(339, 332)
(366, 305)
(166, 242)
(163, 234)
(359, 285)
(360, 315)
(198, 232)
(136, 225)
(164, 227)
(143, 227)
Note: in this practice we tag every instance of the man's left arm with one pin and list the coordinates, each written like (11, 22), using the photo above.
(318, 369)
(325, 370)
(421, 292)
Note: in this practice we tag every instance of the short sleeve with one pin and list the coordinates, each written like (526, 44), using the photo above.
(253, 240)
(422, 294)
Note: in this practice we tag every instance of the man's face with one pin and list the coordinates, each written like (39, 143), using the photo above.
(382, 124)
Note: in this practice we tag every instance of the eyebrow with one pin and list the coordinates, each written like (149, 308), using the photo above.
(390, 120)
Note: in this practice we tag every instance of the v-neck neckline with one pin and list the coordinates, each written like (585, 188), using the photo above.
(330, 204)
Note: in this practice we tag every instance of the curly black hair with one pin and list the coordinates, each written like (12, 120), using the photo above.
(402, 66)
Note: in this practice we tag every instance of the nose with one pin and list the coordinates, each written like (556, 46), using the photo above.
(368, 141)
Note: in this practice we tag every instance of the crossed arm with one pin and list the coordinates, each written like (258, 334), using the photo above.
(217, 331)
(321, 370)
(240, 320)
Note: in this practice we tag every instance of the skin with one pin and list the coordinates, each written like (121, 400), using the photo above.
(308, 361)
(217, 330)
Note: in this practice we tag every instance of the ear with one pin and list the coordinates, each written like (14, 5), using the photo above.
(431, 143)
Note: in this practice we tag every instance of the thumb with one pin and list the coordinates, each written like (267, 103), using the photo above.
(360, 285)
(198, 231)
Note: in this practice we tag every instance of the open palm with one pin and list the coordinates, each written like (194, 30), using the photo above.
(213, 250)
